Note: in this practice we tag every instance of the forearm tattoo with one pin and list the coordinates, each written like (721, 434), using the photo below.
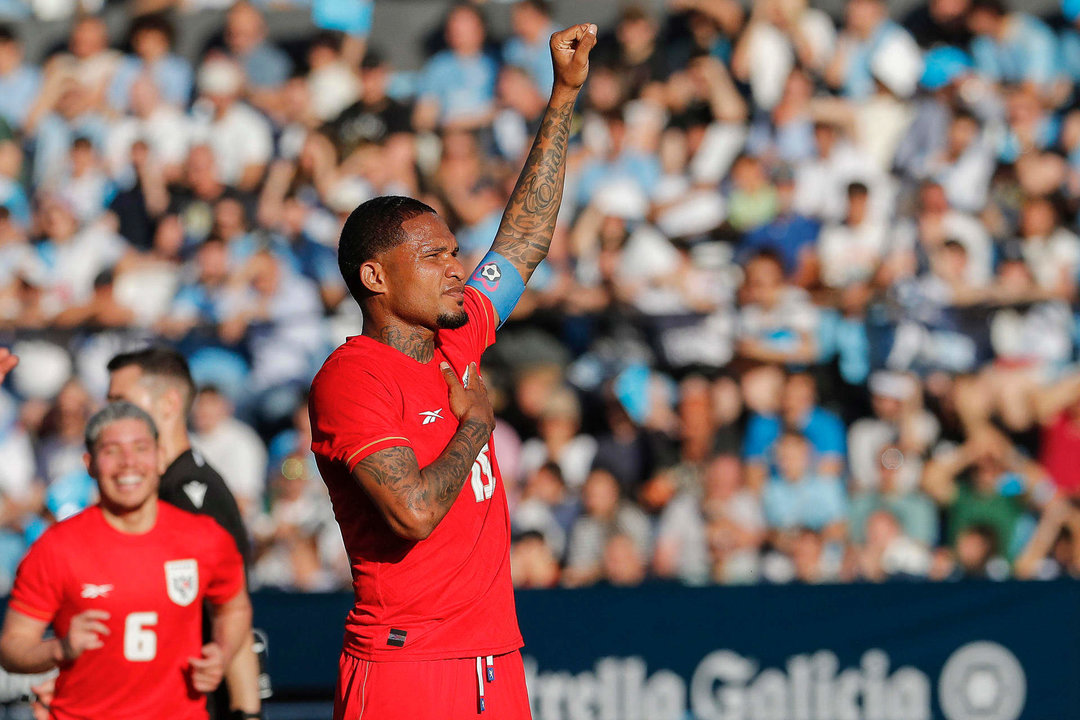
(434, 489)
(529, 221)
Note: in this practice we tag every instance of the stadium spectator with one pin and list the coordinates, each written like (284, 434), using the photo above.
(231, 447)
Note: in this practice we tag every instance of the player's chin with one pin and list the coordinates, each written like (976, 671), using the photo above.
(452, 320)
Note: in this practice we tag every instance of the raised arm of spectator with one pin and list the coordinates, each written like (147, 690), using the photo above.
(1051, 400)
(528, 223)
(939, 475)
(725, 101)
(1054, 517)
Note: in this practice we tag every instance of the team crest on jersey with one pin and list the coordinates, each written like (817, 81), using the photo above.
(182, 581)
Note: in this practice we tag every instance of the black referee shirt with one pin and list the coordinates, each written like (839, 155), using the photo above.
(191, 484)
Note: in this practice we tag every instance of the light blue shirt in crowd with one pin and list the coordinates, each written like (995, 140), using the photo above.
(533, 58)
(859, 80)
(266, 66)
(18, 91)
(172, 75)
(1028, 54)
(812, 502)
(462, 86)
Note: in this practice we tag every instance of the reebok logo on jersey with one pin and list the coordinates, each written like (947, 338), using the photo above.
(431, 416)
(196, 492)
(92, 591)
(397, 638)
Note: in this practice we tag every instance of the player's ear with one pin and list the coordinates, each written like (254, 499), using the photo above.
(373, 277)
(173, 402)
(88, 460)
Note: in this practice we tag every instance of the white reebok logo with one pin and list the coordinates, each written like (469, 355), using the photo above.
(431, 416)
(196, 491)
(92, 591)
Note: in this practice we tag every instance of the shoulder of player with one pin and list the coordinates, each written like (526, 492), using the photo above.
(353, 359)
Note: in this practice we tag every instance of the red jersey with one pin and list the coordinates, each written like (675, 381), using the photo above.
(450, 595)
(152, 585)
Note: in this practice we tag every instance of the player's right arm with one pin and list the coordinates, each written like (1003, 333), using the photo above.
(413, 500)
(24, 649)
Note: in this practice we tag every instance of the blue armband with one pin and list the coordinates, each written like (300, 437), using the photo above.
(500, 281)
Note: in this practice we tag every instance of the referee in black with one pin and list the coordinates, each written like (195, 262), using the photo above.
(158, 380)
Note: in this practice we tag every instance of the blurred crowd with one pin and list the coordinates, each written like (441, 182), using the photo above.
(810, 313)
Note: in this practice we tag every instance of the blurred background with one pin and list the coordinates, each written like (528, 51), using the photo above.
(790, 417)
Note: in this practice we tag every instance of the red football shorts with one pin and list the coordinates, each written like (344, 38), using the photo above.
(432, 689)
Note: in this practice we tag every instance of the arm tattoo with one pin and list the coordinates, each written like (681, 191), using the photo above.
(429, 492)
(529, 221)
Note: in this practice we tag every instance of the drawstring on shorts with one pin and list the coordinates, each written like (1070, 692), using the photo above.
(481, 662)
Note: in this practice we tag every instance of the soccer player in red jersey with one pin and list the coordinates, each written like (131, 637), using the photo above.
(122, 584)
(401, 429)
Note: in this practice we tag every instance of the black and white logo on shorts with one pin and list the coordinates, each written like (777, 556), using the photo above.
(982, 681)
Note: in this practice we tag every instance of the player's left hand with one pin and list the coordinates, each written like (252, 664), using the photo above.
(570, 54)
(43, 697)
(207, 671)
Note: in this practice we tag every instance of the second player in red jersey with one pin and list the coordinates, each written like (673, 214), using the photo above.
(122, 584)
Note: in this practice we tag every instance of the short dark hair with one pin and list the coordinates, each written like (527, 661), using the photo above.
(995, 7)
(7, 34)
(160, 362)
(372, 228)
(154, 23)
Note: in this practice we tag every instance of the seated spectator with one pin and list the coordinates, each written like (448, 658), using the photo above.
(560, 441)
(793, 237)
(457, 85)
(1052, 551)
(547, 507)
(984, 483)
(1011, 47)
(265, 66)
(290, 551)
(20, 82)
(778, 37)
(605, 515)
(239, 136)
(753, 201)
(72, 257)
(796, 496)
(1050, 250)
(851, 252)
(798, 412)
(886, 553)
(231, 447)
(528, 47)
(939, 22)
(333, 86)
(375, 116)
(899, 420)
(777, 323)
(907, 506)
(623, 563)
(152, 40)
(868, 32)
(532, 564)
